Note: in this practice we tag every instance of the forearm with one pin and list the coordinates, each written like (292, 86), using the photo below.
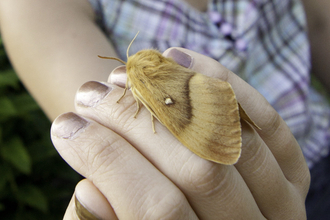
(53, 46)
(318, 20)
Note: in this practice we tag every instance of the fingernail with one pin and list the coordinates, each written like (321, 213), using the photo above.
(91, 93)
(181, 58)
(118, 76)
(83, 213)
(68, 125)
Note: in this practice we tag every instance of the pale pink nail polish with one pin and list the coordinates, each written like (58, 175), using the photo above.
(118, 76)
(91, 93)
(181, 58)
(68, 125)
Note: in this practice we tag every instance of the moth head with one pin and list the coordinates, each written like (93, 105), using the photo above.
(149, 59)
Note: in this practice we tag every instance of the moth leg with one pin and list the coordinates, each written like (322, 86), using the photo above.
(138, 107)
(153, 123)
(122, 95)
(126, 87)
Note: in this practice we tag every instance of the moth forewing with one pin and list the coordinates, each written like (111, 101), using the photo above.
(215, 131)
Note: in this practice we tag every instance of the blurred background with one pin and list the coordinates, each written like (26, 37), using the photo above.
(35, 183)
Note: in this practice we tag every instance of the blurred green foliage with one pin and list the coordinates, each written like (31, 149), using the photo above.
(35, 183)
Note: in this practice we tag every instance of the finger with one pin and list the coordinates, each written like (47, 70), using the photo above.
(91, 203)
(70, 213)
(211, 189)
(275, 133)
(119, 78)
(88, 203)
(133, 186)
(265, 179)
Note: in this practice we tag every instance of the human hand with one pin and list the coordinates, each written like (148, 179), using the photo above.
(135, 174)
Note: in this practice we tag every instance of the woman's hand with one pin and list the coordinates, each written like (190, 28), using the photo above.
(133, 173)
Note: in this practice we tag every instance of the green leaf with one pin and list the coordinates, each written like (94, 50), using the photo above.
(9, 78)
(14, 152)
(42, 149)
(5, 175)
(33, 197)
(24, 103)
(6, 107)
(1, 133)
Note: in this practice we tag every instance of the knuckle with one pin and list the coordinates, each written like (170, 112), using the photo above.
(205, 178)
(104, 153)
(121, 116)
(173, 205)
(123, 111)
(273, 123)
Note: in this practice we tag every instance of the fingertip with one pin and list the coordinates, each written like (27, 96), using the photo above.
(182, 58)
(68, 125)
(118, 76)
(70, 212)
(90, 203)
(91, 93)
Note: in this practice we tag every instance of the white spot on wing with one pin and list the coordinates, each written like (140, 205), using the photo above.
(168, 101)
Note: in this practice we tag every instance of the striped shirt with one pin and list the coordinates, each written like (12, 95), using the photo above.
(263, 41)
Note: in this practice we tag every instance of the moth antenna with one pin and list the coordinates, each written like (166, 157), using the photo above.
(112, 58)
(130, 44)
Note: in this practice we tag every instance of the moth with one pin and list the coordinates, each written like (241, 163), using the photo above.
(200, 111)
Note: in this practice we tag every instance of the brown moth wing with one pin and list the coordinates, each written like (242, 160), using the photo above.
(215, 130)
